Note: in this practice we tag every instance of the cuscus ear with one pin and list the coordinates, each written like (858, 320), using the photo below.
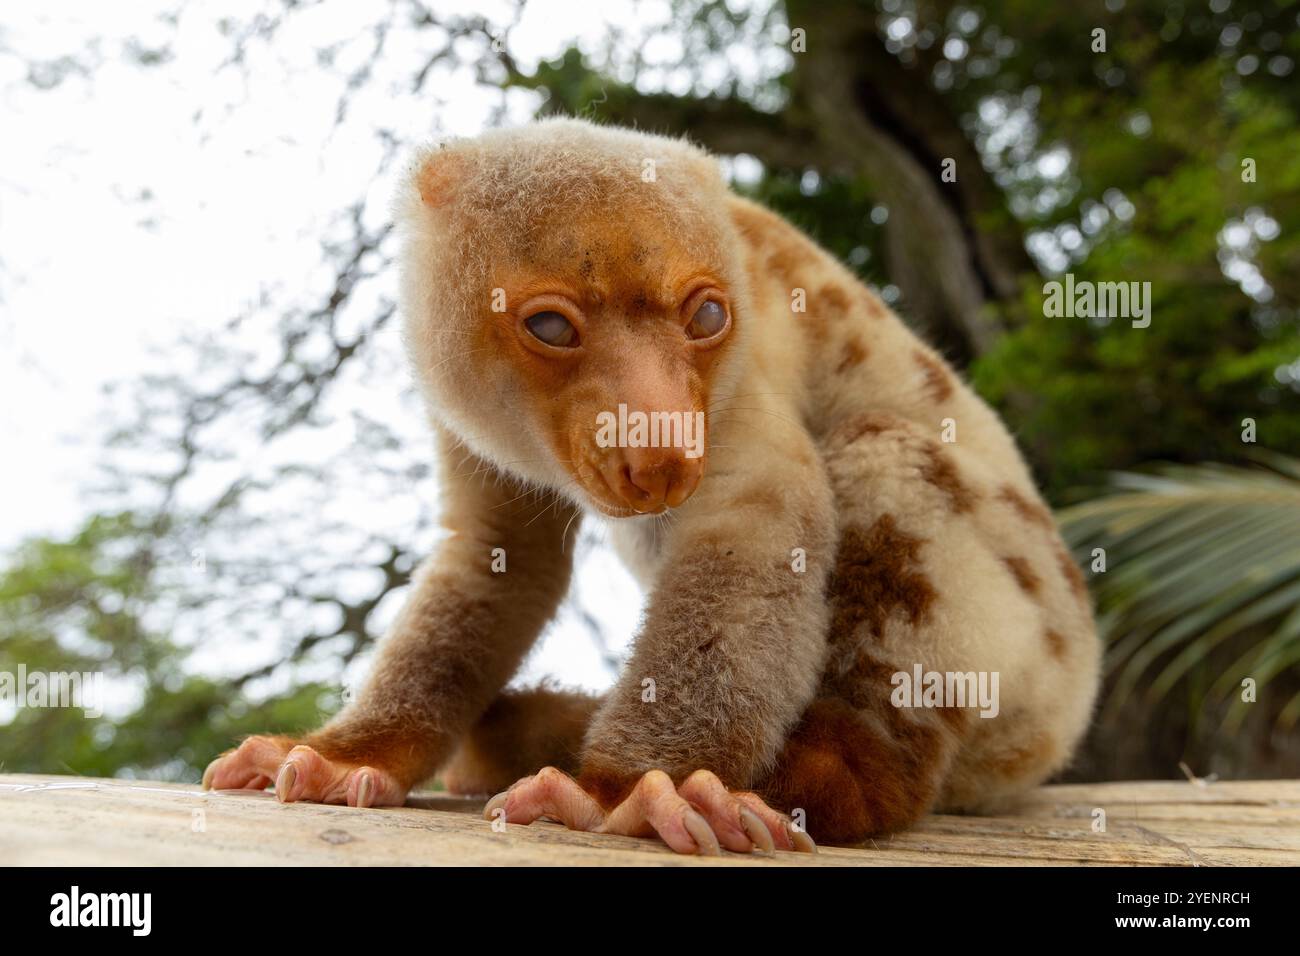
(437, 174)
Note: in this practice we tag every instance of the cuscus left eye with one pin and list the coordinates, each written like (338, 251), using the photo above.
(553, 329)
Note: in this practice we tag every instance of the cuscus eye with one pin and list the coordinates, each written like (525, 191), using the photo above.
(553, 329)
(709, 319)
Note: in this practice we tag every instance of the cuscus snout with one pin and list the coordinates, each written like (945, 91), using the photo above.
(650, 480)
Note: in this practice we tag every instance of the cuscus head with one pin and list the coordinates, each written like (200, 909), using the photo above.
(574, 301)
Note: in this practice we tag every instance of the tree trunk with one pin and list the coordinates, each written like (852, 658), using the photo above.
(958, 276)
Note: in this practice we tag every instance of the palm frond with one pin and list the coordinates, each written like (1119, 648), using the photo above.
(1199, 559)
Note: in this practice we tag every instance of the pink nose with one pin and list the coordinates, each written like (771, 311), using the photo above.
(652, 479)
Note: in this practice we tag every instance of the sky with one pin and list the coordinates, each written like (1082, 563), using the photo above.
(123, 221)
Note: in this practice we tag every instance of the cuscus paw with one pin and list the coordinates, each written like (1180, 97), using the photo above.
(701, 816)
(301, 773)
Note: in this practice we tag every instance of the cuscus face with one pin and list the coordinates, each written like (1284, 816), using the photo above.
(598, 308)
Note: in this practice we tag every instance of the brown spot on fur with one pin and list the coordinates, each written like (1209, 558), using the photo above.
(1024, 574)
(1073, 576)
(1031, 511)
(864, 426)
(938, 380)
(1055, 643)
(940, 471)
(851, 779)
(866, 685)
(853, 354)
(878, 573)
(832, 300)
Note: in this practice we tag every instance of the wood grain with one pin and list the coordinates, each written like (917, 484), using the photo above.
(78, 821)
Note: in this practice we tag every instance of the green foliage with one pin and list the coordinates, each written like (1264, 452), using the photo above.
(856, 241)
(80, 605)
(1111, 396)
(1201, 585)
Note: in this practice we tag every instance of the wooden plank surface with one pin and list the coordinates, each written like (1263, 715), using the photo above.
(77, 821)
